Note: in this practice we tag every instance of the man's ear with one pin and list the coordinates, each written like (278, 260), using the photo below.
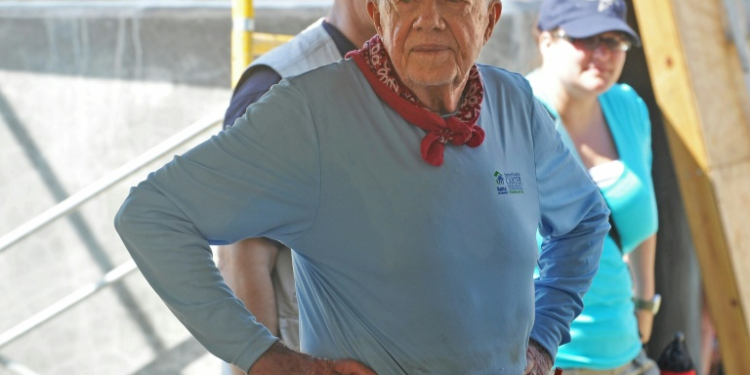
(373, 9)
(494, 11)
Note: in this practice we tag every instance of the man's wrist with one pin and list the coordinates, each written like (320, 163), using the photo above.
(541, 357)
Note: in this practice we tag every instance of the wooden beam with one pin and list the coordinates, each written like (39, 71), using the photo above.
(699, 86)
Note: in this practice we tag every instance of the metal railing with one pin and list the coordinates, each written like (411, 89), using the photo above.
(16, 367)
(247, 44)
(72, 203)
(98, 187)
(66, 303)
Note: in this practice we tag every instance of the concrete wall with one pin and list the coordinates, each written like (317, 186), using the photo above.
(84, 88)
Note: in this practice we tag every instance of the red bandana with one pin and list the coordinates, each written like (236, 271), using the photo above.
(375, 64)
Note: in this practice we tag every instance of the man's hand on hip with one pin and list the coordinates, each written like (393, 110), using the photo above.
(538, 360)
(279, 359)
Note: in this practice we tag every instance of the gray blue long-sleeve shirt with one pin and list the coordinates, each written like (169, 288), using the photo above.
(407, 267)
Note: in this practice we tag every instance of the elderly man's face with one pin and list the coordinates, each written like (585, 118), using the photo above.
(434, 42)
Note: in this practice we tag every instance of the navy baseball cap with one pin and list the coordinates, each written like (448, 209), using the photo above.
(585, 18)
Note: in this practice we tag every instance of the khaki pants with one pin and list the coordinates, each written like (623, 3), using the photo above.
(641, 365)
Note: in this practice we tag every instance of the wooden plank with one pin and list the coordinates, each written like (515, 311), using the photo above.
(721, 281)
(669, 72)
(717, 81)
(731, 184)
(700, 90)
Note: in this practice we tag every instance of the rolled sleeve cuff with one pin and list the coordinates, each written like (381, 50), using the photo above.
(547, 335)
(254, 351)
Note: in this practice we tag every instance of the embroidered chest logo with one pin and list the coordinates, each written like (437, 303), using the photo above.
(508, 183)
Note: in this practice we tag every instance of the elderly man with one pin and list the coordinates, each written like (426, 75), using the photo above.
(410, 183)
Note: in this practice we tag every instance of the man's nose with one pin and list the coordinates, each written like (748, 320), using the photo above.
(430, 15)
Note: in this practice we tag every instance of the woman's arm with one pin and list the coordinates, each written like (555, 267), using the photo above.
(641, 262)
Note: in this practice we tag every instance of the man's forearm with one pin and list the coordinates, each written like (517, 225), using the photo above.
(246, 267)
(279, 359)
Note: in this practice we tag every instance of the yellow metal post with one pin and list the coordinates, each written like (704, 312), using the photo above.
(263, 42)
(243, 26)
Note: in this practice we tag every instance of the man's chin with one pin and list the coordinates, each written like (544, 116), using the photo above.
(432, 79)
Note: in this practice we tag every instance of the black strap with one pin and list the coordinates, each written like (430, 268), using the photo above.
(614, 233)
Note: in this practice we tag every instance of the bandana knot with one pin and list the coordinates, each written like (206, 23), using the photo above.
(459, 129)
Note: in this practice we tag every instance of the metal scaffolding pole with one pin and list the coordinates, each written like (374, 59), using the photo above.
(243, 26)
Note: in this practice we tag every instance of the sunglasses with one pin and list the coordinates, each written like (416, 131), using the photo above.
(591, 43)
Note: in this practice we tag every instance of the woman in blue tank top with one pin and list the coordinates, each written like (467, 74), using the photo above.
(583, 44)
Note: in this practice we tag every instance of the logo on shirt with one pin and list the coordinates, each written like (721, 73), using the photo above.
(508, 183)
(500, 181)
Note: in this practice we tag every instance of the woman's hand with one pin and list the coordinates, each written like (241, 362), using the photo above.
(645, 324)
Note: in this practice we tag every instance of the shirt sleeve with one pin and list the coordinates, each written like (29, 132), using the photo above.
(573, 223)
(258, 178)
